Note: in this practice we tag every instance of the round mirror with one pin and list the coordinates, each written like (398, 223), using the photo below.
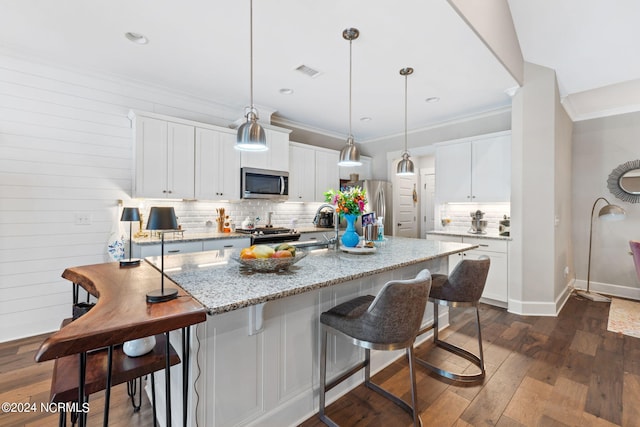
(630, 181)
(624, 182)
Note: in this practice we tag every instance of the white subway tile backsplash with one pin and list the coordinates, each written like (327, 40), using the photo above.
(193, 215)
(460, 215)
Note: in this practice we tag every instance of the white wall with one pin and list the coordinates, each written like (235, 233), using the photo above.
(599, 146)
(66, 149)
(541, 189)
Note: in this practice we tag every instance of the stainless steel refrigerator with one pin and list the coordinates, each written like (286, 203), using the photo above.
(379, 200)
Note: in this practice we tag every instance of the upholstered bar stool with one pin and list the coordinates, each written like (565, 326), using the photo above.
(390, 321)
(462, 288)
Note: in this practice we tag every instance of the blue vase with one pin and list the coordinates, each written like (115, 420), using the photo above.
(350, 238)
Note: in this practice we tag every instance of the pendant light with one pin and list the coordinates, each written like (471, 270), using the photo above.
(251, 136)
(349, 155)
(405, 166)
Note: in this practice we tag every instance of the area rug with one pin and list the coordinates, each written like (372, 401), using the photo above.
(624, 317)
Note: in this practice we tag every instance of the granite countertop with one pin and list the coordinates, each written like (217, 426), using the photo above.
(218, 283)
(186, 236)
(489, 235)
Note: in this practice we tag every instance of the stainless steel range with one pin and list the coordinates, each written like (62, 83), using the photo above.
(264, 235)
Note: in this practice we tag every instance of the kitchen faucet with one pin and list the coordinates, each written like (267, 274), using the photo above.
(269, 219)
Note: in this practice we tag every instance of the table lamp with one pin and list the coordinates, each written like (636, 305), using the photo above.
(130, 214)
(162, 219)
(608, 213)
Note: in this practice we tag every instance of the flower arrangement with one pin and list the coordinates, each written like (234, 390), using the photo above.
(347, 201)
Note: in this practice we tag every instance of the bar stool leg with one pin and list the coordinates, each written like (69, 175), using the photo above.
(323, 377)
(167, 385)
(153, 399)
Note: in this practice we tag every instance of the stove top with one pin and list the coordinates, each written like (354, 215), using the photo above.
(264, 230)
(270, 234)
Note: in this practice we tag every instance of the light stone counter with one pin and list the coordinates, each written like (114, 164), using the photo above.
(493, 236)
(258, 351)
(216, 280)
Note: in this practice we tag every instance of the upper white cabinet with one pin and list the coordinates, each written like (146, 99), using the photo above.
(164, 159)
(312, 171)
(327, 174)
(302, 173)
(364, 170)
(474, 171)
(217, 165)
(275, 158)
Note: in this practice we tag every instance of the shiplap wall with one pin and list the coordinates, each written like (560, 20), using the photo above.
(65, 150)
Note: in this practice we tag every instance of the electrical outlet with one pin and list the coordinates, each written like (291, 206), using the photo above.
(83, 218)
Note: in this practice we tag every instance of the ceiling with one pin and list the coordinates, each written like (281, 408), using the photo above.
(201, 47)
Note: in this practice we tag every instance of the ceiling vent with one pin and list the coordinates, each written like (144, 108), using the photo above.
(308, 71)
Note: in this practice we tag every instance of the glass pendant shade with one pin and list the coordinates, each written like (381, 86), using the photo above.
(349, 155)
(251, 136)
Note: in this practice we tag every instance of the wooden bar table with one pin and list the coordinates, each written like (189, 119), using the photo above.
(123, 314)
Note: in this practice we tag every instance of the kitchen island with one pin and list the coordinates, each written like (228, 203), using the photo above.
(258, 352)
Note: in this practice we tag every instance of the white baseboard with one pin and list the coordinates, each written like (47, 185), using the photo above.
(609, 289)
(541, 308)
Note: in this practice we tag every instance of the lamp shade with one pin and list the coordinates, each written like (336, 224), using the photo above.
(349, 155)
(405, 166)
(251, 136)
(161, 218)
(130, 214)
(611, 213)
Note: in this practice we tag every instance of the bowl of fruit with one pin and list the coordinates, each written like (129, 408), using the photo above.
(268, 258)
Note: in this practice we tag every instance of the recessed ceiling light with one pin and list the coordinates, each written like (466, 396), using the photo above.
(286, 91)
(365, 119)
(136, 38)
(432, 99)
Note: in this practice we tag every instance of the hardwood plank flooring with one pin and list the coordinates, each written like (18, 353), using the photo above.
(541, 371)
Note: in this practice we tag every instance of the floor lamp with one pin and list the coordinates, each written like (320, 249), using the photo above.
(608, 213)
(162, 219)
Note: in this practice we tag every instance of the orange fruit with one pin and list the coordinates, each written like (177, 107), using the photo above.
(247, 253)
(282, 254)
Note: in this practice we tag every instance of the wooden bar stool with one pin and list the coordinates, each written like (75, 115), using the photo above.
(390, 321)
(462, 288)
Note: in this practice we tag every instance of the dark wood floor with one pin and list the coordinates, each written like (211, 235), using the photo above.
(541, 371)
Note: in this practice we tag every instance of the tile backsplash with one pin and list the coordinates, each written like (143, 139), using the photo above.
(193, 215)
(460, 218)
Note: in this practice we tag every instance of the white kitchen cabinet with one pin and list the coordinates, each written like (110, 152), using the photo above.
(474, 171)
(496, 290)
(363, 171)
(275, 158)
(327, 173)
(302, 173)
(217, 165)
(317, 236)
(215, 244)
(164, 159)
(172, 247)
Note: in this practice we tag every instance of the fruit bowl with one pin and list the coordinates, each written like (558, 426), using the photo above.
(270, 264)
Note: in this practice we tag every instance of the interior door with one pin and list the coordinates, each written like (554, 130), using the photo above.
(405, 206)
(427, 201)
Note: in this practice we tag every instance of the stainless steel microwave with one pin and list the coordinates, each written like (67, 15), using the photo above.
(264, 184)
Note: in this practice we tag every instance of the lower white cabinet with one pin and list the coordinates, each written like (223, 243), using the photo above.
(496, 290)
(317, 236)
(180, 247)
(211, 245)
(155, 249)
